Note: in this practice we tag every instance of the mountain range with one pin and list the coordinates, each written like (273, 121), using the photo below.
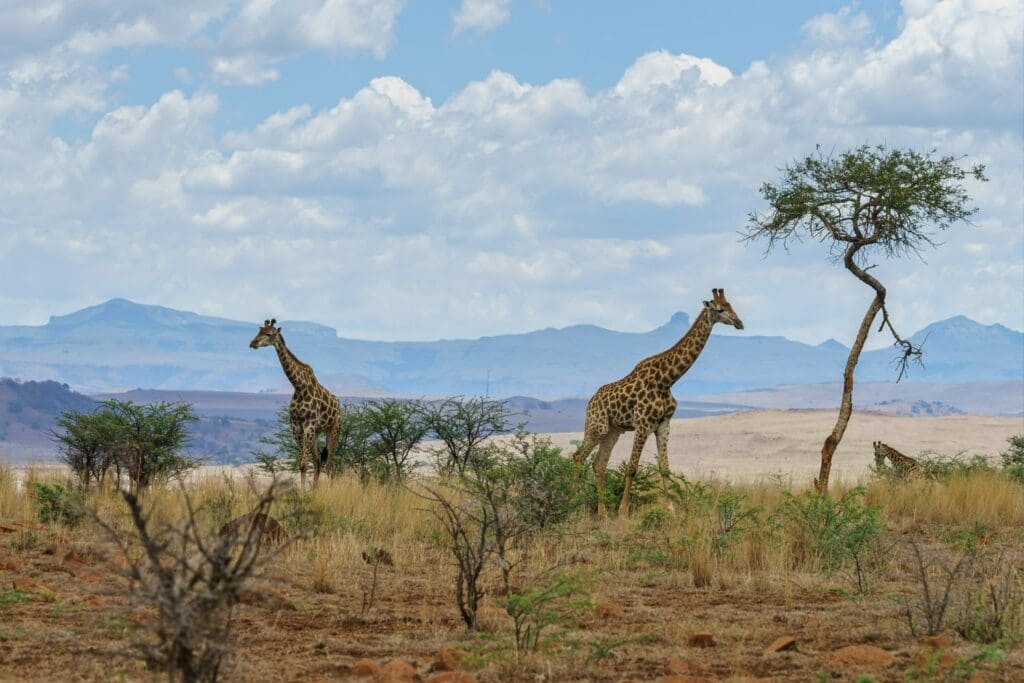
(119, 345)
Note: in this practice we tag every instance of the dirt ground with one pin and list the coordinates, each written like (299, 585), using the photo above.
(65, 613)
(78, 625)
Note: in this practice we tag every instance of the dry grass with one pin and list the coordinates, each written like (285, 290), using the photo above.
(659, 576)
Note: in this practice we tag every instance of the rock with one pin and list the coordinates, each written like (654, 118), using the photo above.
(365, 668)
(935, 642)
(688, 679)
(10, 566)
(451, 677)
(781, 644)
(95, 601)
(74, 557)
(268, 598)
(90, 577)
(27, 585)
(449, 659)
(702, 639)
(679, 666)
(273, 532)
(141, 618)
(608, 610)
(398, 670)
(858, 655)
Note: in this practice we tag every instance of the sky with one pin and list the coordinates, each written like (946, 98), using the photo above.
(453, 169)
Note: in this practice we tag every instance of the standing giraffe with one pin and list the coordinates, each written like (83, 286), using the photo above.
(313, 411)
(643, 401)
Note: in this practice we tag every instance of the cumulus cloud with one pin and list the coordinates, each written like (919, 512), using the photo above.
(262, 31)
(481, 16)
(513, 205)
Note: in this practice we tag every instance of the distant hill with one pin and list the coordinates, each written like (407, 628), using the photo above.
(1005, 398)
(119, 345)
(28, 411)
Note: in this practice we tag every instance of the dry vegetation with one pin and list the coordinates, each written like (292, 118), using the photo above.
(606, 600)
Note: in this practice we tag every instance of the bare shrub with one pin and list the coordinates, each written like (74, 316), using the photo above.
(375, 558)
(992, 609)
(192, 579)
(937, 581)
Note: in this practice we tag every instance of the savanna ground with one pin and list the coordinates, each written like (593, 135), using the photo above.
(747, 563)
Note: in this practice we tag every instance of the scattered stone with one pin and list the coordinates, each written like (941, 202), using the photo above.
(399, 670)
(273, 532)
(141, 618)
(702, 639)
(688, 679)
(608, 610)
(90, 577)
(781, 644)
(935, 642)
(268, 598)
(449, 659)
(679, 666)
(74, 557)
(28, 585)
(858, 655)
(10, 566)
(365, 668)
(95, 601)
(451, 677)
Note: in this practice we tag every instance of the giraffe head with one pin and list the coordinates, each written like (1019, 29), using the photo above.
(879, 454)
(267, 335)
(721, 311)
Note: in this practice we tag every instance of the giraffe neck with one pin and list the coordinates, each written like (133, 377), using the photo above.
(294, 369)
(680, 357)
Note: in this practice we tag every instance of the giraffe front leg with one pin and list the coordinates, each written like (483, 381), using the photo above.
(661, 436)
(306, 440)
(642, 432)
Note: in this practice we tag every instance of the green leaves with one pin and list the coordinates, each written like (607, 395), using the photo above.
(893, 199)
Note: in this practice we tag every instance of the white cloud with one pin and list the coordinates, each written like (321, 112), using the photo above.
(263, 32)
(244, 70)
(481, 16)
(509, 205)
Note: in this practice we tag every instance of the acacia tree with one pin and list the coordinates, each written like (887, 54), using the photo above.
(87, 444)
(861, 203)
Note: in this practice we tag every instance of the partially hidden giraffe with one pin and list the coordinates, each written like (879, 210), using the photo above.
(904, 465)
(642, 401)
(313, 411)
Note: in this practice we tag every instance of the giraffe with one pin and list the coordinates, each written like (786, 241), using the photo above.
(905, 466)
(313, 411)
(642, 401)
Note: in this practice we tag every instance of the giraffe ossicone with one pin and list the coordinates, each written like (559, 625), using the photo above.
(642, 401)
(313, 411)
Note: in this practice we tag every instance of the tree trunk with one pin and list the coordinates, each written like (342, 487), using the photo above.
(846, 404)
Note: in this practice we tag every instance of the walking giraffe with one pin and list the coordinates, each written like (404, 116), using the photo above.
(313, 411)
(642, 401)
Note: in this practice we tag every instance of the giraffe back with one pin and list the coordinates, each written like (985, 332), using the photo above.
(904, 465)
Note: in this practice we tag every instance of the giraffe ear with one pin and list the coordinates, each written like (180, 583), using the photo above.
(707, 304)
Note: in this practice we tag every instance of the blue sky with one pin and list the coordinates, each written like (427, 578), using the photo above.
(416, 170)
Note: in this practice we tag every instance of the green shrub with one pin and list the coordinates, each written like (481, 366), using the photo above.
(557, 603)
(54, 503)
(944, 468)
(1014, 455)
(834, 533)
(544, 481)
